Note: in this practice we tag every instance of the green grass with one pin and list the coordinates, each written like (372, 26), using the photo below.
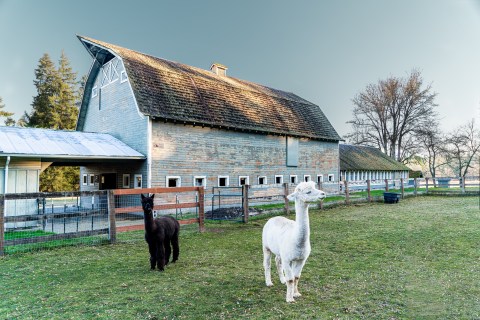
(418, 259)
(10, 235)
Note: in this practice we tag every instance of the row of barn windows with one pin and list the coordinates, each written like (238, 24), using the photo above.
(201, 181)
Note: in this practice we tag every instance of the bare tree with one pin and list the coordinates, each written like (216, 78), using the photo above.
(432, 142)
(389, 115)
(462, 146)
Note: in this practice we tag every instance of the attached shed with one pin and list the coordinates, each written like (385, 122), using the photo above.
(202, 127)
(360, 163)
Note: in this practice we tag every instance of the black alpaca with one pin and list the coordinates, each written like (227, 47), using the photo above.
(160, 233)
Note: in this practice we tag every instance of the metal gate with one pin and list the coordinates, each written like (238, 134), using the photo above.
(228, 203)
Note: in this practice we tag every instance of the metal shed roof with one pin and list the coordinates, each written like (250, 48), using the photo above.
(56, 145)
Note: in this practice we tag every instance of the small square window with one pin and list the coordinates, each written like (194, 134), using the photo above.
(84, 180)
(200, 181)
(91, 179)
(173, 182)
(319, 179)
(307, 178)
(123, 76)
(138, 181)
(331, 178)
(262, 180)
(279, 179)
(94, 92)
(243, 180)
(126, 181)
(223, 181)
(293, 179)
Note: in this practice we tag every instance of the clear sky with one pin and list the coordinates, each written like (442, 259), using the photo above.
(324, 51)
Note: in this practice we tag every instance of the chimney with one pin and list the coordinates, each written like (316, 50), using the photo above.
(219, 69)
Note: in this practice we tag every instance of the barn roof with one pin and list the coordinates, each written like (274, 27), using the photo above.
(173, 91)
(367, 158)
(57, 145)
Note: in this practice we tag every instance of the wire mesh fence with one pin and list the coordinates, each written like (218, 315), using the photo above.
(40, 220)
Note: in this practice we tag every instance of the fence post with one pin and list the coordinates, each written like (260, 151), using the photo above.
(415, 186)
(201, 209)
(369, 190)
(347, 193)
(426, 185)
(402, 188)
(112, 227)
(2, 225)
(285, 194)
(245, 202)
(386, 185)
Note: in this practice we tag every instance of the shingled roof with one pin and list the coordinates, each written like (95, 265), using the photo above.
(367, 159)
(172, 91)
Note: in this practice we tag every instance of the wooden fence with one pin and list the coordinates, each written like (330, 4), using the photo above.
(106, 211)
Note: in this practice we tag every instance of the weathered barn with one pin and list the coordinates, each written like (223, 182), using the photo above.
(359, 163)
(199, 127)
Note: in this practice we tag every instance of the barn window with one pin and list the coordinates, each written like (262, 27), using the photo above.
(223, 181)
(123, 76)
(319, 179)
(307, 178)
(200, 181)
(243, 180)
(138, 183)
(84, 180)
(92, 179)
(331, 178)
(94, 92)
(292, 152)
(126, 181)
(262, 180)
(173, 181)
(293, 179)
(279, 179)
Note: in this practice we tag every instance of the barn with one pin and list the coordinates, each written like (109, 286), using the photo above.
(360, 163)
(199, 127)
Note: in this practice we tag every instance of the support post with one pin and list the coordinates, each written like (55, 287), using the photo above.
(386, 185)
(245, 188)
(2, 225)
(347, 193)
(112, 227)
(285, 194)
(201, 209)
(402, 188)
(369, 191)
(426, 185)
(415, 186)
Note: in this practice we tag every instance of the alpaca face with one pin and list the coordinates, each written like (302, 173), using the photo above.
(306, 192)
(147, 203)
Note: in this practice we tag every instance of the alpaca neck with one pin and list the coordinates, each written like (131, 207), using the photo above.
(148, 218)
(302, 224)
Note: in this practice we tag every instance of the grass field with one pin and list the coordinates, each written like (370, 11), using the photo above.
(418, 259)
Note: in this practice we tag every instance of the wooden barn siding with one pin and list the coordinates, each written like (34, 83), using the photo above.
(188, 151)
(119, 117)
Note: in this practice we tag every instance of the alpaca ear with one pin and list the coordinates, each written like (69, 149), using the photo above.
(292, 196)
(153, 195)
(143, 197)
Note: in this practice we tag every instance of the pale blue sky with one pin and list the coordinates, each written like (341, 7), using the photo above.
(323, 51)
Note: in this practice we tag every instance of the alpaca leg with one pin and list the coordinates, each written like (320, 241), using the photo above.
(168, 251)
(266, 265)
(278, 262)
(153, 255)
(297, 271)
(176, 248)
(161, 257)
(290, 280)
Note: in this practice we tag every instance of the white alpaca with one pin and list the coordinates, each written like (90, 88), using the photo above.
(290, 240)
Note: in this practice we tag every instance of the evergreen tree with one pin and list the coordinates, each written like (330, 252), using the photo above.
(55, 107)
(6, 114)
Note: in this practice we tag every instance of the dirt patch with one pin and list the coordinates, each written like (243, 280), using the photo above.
(230, 213)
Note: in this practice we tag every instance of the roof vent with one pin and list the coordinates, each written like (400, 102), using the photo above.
(219, 69)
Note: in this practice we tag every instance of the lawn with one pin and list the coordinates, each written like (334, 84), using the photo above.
(418, 259)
